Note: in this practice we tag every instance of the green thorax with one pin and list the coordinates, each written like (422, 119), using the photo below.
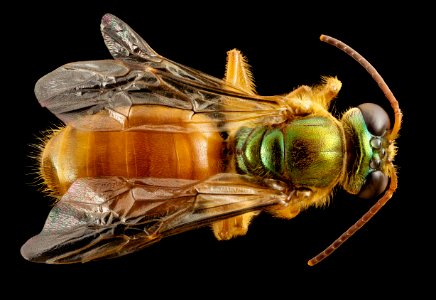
(306, 152)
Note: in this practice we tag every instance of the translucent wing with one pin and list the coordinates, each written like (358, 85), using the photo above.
(139, 76)
(112, 216)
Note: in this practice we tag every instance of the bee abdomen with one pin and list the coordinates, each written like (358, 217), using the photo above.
(73, 153)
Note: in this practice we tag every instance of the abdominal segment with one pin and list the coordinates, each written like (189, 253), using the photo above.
(72, 153)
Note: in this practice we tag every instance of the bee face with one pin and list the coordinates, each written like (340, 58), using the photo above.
(366, 128)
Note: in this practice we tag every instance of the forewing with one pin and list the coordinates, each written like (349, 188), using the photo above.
(108, 89)
(112, 216)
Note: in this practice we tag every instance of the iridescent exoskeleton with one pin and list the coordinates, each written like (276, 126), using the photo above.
(152, 148)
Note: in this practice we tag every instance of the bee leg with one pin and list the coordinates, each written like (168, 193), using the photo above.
(299, 101)
(238, 72)
(233, 227)
(239, 75)
(289, 208)
(289, 212)
(298, 200)
(325, 92)
(306, 99)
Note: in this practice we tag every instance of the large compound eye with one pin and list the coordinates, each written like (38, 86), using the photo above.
(376, 183)
(376, 119)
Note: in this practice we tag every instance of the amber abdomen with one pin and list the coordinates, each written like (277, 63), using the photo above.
(73, 153)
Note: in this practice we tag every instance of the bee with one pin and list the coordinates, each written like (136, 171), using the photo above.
(152, 148)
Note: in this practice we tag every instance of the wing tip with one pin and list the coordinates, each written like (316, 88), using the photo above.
(30, 253)
(107, 18)
(109, 21)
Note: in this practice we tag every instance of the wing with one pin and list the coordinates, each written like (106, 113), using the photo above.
(112, 216)
(108, 89)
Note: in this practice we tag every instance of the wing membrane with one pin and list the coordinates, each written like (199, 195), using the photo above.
(140, 76)
(112, 216)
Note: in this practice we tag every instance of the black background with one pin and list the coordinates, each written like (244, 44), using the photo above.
(282, 44)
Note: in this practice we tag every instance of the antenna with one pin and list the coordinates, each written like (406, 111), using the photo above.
(375, 75)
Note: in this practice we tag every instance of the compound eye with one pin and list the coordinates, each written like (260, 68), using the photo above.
(376, 119)
(376, 183)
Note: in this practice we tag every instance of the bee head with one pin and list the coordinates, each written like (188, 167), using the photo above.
(370, 150)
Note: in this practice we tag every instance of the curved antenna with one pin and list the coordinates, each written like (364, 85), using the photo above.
(375, 75)
(359, 224)
(391, 136)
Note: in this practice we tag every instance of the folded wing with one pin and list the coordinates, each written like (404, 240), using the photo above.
(112, 216)
(140, 76)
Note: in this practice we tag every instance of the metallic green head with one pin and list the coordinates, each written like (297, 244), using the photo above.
(368, 150)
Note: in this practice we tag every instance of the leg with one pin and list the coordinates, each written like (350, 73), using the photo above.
(306, 99)
(300, 200)
(326, 91)
(238, 72)
(233, 227)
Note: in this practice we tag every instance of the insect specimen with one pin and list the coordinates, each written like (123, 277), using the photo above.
(152, 148)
